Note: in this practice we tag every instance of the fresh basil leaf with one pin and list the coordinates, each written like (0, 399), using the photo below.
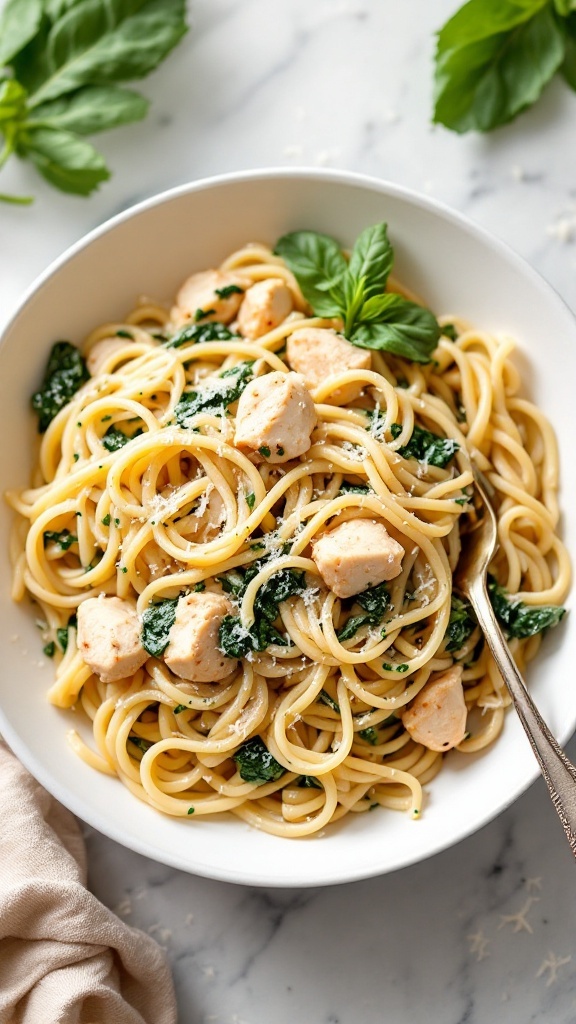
(354, 296)
(319, 266)
(19, 23)
(565, 7)
(95, 108)
(493, 59)
(518, 619)
(568, 68)
(372, 258)
(12, 100)
(95, 43)
(66, 161)
(405, 329)
(55, 9)
(256, 764)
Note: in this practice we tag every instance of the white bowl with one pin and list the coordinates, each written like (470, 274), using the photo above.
(456, 267)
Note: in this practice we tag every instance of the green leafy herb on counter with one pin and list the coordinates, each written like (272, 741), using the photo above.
(354, 292)
(495, 57)
(62, 61)
(518, 619)
(65, 372)
(256, 764)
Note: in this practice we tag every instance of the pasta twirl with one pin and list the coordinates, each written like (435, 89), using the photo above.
(142, 492)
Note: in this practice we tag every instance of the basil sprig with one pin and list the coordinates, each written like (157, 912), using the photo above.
(62, 60)
(495, 57)
(354, 291)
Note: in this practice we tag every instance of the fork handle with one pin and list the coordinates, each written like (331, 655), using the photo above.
(559, 773)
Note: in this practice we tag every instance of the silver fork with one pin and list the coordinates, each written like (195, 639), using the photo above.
(478, 548)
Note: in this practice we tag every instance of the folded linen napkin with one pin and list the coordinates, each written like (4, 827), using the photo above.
(64, 957)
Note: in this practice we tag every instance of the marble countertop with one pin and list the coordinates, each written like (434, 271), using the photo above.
(483, 932)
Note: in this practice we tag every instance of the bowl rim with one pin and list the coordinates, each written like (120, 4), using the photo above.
(70, 799)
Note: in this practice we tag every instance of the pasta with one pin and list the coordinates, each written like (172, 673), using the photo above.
(144, 492)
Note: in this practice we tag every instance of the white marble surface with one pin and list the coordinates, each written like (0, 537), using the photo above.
(481, 933)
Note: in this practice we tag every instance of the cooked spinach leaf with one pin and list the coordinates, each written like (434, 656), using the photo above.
(325, 698)
(65, 372)
(308, 782)
(256, 764)
(157, 621)
(62, 633)
(346, 488)
(216, 394)
(236, 640)
(199, 334)
(461, 623)
(374, 601)
(370, 735)
(426, 447)
(114, 438)
(518, 619)
(64, 539)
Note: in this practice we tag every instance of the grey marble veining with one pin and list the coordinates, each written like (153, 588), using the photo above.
(484, 932)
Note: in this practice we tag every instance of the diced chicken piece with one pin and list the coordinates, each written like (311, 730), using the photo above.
(276, 416)
(359, 553)
(265, 305)
(193, 652)
(209, 295)
(437, 715)
(318, 353)
(101, 352)
(206, 520)
(109, 638)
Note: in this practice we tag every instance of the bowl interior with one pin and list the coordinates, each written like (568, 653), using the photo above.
(457, 269)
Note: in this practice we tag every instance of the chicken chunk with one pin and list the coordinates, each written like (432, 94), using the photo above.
(265, 305)
(207, 519)
(359, 553)
(192, 651)
(318, 353)
(109, 638)
(276, 416)
(437, 715)
(101, 352)
(209, 295)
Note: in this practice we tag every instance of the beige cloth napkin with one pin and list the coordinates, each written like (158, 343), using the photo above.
(64, 957)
